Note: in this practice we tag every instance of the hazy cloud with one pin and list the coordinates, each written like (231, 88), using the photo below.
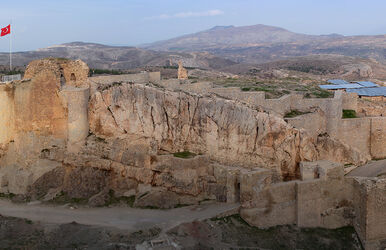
(188, 14)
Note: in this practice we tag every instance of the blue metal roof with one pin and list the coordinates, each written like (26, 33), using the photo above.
(342, 86)
(367, 84)
(375, 91)
(337, 81)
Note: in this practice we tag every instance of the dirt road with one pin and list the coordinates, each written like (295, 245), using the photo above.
(117, 217)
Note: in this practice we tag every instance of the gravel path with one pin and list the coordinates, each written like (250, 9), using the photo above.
(116, 217)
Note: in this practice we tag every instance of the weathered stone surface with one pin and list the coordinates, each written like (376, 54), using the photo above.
(222, 129)
(182, 72)
(67, 72)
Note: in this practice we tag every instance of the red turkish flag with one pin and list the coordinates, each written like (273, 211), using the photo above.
(6, 30)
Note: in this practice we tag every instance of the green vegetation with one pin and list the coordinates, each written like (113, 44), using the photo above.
(321, 93)
(181, 205)
(294, 113)
(349, 113)
(312, 69)
(12, 72)
(122, 199)
(276, 88)
(7, 196)
(28, 221)
(63, 198)
(185, 154)
(105, 71)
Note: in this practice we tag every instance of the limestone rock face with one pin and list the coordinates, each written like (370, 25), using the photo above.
(224, 130)
(182, 72)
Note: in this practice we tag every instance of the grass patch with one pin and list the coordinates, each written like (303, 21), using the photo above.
(105, 72)
(184, 154)
(7, 196)
(322, 94)
(122, 199)
(349, 113)
(28, 221)
(294, 113)
(63, 198)
(181, 205)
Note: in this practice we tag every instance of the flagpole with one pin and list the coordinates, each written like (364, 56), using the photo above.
(10, 47)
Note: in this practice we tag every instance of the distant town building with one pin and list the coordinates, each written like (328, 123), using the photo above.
(362, 88)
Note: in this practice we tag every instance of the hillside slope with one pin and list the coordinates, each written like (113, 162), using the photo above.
(261, 43)
(116, 57)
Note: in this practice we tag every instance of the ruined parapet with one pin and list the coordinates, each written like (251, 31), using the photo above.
(35, 105)
(182, 72)
(67, 72)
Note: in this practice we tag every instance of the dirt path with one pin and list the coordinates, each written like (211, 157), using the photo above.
(116, 217)
(372, 169)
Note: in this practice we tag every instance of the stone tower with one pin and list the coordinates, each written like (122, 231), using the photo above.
(182, 72)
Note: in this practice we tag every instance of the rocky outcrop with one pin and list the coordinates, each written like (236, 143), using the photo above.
(226, 131)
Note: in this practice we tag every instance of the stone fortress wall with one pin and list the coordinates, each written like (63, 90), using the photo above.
(143, 77)
(51, 101)
(323, 197)
(366, 134)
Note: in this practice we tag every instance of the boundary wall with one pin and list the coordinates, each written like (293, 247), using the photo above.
(323, 198)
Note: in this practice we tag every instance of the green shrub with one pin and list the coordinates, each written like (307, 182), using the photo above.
(246, 89)
(105, 71)
(294, 113)
(349, 113)
(185, 154)
(323, 94)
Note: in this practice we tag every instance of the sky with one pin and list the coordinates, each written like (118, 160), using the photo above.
(42, 23)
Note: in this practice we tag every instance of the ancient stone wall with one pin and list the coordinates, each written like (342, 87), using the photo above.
(369, 204)
(177, 85)
(77, 122)
(6, 113)
(38, 106)
(154, 77)
(314, 123)
(365, 134)
(324, 200)
(350, 101)
(378, 137)
(234, 93)
(356, 133)
(144, 77)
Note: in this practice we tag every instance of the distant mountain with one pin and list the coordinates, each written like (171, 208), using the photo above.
(230, 35)
(261, 43)
(117, 57)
